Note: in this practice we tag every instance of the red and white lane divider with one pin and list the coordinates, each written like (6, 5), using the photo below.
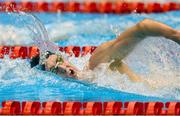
(89, 108)
(118, 7)
(28, 52)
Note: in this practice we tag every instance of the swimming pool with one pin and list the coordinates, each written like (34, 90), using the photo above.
(158, 56)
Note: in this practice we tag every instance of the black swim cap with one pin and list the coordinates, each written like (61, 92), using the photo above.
(35, 61)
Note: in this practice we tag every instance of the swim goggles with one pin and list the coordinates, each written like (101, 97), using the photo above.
(59, 61)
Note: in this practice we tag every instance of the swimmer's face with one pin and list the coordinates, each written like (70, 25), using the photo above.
(64, 69)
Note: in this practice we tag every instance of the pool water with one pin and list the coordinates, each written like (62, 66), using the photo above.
(156, 59)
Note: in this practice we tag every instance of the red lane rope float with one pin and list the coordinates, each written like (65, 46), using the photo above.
(51, 108)
(18, 52)
(10, 107)
(105, 7)
(112, 108)
(89, 108)
(72, 108)
(134, 108)
(25, 52)
(4, 50)
(72, 7)
(90, 7)
(154, 108)
(33, 51)
(92, 108)
(173, 108)
(30, 107)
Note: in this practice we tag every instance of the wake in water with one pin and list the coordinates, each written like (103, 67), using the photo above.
(157, 60)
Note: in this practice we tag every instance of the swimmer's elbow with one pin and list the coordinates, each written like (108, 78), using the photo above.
(143, 24)
(142, 27)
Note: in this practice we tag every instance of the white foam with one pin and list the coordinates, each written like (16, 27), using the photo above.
(10, 35)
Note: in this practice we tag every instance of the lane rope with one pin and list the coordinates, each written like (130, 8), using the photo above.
(89, 108)
(90, 7)
(26, 52)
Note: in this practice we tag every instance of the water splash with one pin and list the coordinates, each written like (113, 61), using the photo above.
(38, 32)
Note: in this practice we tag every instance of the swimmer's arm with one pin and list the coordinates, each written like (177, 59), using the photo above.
(124, 69)
(133, 76)
(149, 27)
(154, 28)
(131, 37)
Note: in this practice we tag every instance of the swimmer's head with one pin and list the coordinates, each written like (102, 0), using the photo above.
(54, 63)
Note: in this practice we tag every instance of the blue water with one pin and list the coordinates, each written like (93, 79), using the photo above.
(19, 82)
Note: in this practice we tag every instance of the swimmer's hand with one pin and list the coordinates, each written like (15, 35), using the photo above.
(178, 37)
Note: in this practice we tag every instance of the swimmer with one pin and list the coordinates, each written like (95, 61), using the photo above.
(114, 50)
